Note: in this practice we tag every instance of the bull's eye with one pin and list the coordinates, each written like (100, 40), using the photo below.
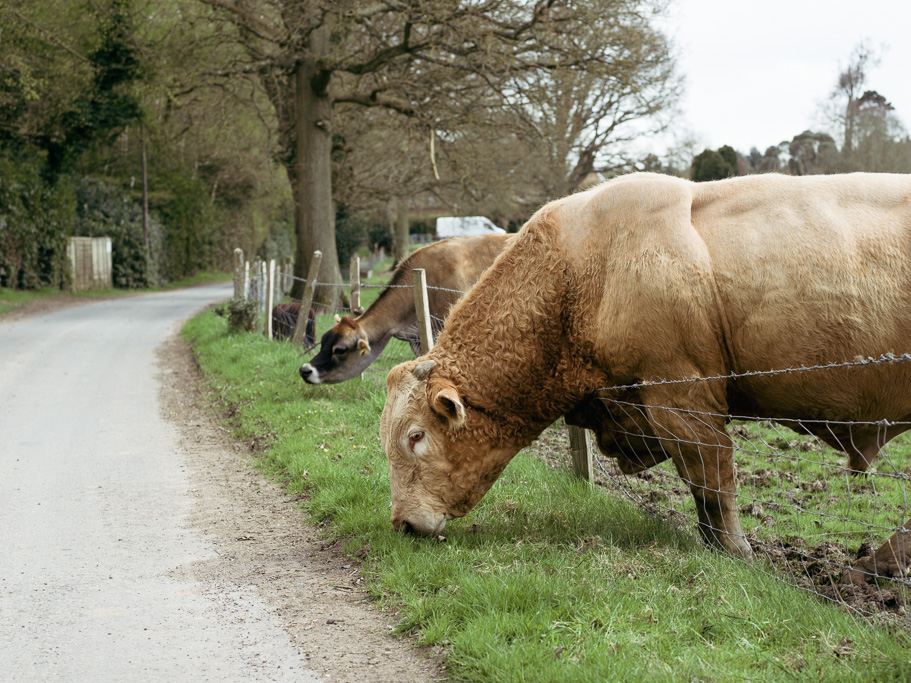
(414, 438)
(339, 351)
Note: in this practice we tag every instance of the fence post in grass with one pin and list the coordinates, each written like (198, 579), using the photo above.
(270, 297)
(581, 452)
(300, 328)
(422, 308)
(246, 292)
(238, 273)
(355, 276)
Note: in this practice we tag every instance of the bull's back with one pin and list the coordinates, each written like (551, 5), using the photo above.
(811, 271)
(757, 273)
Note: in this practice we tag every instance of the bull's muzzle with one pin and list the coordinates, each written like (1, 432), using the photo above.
(419, 524)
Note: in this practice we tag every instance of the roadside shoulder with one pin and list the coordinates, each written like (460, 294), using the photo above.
(265, 541)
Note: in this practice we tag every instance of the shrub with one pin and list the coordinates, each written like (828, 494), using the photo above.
(190, 222)
(243, 314)
(36, 219)
(104, 210)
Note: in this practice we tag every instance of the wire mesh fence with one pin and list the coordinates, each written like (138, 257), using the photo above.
(810, 511)
(808, 516)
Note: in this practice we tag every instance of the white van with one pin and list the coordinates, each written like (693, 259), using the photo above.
(460, 226)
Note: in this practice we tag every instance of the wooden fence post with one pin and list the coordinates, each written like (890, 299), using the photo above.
(255, 287)
(262, 286)
(581, 452)
(354, 270)
(270, 297)
(300, 328)
(238, 273)
(246, 294)
(287, 280)
(422, 308)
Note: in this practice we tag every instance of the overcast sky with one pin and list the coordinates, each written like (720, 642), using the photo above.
(757, 70)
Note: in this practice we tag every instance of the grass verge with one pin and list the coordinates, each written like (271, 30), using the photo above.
(549, 578)
(11, 299)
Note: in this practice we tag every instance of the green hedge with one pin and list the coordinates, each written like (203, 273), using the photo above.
(36, 221)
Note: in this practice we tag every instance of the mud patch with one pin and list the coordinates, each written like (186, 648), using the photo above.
(820, 568)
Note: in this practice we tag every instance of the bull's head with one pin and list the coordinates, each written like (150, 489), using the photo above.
(441, 458)
(345, 352)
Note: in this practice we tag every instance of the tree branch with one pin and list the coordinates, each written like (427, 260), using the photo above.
(51, 35)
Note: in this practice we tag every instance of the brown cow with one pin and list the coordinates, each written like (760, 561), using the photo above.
(452, 266)
(648, 278)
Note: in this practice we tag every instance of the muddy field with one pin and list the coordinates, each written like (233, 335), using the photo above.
(807, 518)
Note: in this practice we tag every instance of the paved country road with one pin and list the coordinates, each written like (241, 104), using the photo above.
(135, 544)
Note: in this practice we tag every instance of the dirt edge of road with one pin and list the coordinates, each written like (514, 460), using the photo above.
(265, 543)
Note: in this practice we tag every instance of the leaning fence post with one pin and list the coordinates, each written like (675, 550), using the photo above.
(238, 273)
(581, 452)
(354, 270)
(270, 297)
(422, 308)
(300, 328)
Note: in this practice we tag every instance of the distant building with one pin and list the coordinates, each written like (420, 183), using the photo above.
(461, 226)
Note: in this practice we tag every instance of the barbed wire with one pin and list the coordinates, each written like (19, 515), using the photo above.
(438, 289)
(869, 360)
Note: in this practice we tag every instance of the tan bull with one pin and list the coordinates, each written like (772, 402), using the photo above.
(648, 278)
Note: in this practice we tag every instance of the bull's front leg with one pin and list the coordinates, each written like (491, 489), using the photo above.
(704, 457)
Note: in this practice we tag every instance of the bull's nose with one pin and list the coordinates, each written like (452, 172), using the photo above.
(405, 527)
(306, 371)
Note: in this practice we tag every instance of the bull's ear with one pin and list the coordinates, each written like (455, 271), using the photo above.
(422, 369)
(446, 403)
(338, 319)
(363, 346)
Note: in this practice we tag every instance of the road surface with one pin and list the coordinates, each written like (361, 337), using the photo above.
(101, 550)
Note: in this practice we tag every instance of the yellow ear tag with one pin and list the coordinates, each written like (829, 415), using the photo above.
(363, 346)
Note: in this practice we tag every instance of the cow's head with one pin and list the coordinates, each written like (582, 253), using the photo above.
(345, 352)
(443, 454)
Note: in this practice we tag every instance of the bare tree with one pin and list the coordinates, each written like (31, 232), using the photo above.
(873, 138)
(843, 108)
(445, 64)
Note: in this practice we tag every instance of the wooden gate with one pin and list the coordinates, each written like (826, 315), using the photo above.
(90, 263)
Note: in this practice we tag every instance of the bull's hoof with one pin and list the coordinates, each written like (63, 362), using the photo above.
(863, 571)
(868, 569)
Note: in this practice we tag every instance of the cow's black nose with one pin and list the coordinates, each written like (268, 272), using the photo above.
(305, 371)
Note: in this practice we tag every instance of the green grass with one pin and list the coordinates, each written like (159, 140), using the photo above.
(549, 578)
(12, 299)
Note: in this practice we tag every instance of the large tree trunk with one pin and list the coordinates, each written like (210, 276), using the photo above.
(400, 238)
(314, 216)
